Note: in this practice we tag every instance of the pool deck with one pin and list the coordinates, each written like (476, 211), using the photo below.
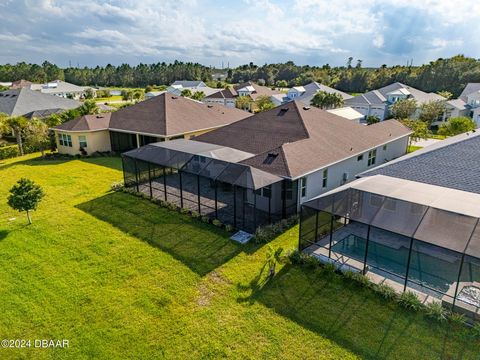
(321, 250)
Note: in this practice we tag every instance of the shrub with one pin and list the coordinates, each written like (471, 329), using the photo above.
(7, 152)
(271, 231)
(195, 214)
(361, 280)
(475, 330)
(205, 219)
(184, 211)
(172, 206)
(328, 269)
(410, 300)
(229, 228)
(297, 257)
(217, 223)
(117, 186)
(349, 275)
(386, 291)
(436, 311)
(457, 319)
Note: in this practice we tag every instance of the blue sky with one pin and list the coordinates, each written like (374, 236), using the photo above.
(315, 32)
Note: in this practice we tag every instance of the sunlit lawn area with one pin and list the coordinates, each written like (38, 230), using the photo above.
(121, 278)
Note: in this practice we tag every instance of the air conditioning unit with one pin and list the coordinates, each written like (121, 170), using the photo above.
(345, 176)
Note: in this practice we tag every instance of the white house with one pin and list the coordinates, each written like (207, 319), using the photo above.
(306, 93)
(471, 96)
(178, 86)
(62, 89)
(378, 102)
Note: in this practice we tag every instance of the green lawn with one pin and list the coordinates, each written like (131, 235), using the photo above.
(412, 148)
(121, 278)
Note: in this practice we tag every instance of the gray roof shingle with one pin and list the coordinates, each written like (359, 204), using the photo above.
(451, 163)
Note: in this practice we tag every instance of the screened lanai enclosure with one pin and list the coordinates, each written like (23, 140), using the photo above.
(410, 235)
(208, 179)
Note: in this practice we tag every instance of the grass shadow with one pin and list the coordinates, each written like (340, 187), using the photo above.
(3, 234)
(358, 319)
(201, 247)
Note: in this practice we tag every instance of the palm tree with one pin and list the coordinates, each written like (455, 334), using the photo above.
(17, 124)
(274, 256)
(325, 100)
(89, 107)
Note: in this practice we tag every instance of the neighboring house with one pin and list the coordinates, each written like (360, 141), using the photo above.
(228, 96)
(163, 117)
(260, 169)
(410, 223)
(348, 113)
(19, 84)
(6, 84)
(62, 89)
(306, 93)
(151, 94)
(471, 96)
(378, 102)
(23, 101)
(178, 86)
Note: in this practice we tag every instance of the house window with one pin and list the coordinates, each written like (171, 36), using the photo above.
(303, 186)
(265, 192)
(82, 140)
(65, 140)
(372, 157)
(360, 157)
(325, 178)
(384, 147)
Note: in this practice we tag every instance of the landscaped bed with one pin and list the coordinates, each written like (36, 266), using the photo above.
(120, 277)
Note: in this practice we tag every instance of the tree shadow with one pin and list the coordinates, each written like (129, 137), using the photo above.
(356, 318)
(3, 234)
(202, 247)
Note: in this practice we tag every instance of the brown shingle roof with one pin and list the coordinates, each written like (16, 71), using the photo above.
(297, 140)
(167, 114)
(86, 123)
(228, 93)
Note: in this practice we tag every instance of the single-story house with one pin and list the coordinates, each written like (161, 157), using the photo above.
(228, 97)
(260, 169)
(348, 113)
(151, 94)
(29, 103)
(306, 93)
(410, 223)
(161, 118)
(62, 89)
(378, 102)
(178, 86)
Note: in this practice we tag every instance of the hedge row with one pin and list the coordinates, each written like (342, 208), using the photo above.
(7, 152)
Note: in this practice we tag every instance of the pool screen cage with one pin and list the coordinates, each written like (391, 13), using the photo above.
(235, 194)
(413, 246)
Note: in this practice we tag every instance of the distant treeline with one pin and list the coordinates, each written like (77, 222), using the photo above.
(443, 74)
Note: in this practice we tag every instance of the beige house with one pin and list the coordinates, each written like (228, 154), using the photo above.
(161, 118)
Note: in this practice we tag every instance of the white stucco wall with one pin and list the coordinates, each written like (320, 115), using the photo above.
(351, 166)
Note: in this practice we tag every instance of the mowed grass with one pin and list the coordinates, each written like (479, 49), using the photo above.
(121, 278)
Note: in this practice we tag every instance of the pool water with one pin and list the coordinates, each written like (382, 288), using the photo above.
(433, 272)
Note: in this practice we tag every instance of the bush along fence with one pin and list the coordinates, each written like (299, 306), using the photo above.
(262, 234)
(408, 300)
(10, 151)
(119, 187)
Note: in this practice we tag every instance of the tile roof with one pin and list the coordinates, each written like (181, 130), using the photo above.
(293, 140)
(451, 163)
(22, 101)
(469, 89)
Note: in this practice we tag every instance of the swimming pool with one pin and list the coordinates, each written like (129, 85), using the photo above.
(425, 269)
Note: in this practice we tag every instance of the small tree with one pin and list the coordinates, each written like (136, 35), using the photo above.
(89, 107)
(138, 94)
(89, 94)
(457, 125)
(372, 119)
(403, 109)
(273, 257)
(446, 94)
(25, 195)
(419, 128)
(264, 103)
(281, 84)
(186, 93)
(325, 100)
(198, 95)
(37, 135)
(17, 124)
(243, 102)
(431, 111)
(126, 95)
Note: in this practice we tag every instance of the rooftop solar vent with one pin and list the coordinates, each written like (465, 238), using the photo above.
(270, 157)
